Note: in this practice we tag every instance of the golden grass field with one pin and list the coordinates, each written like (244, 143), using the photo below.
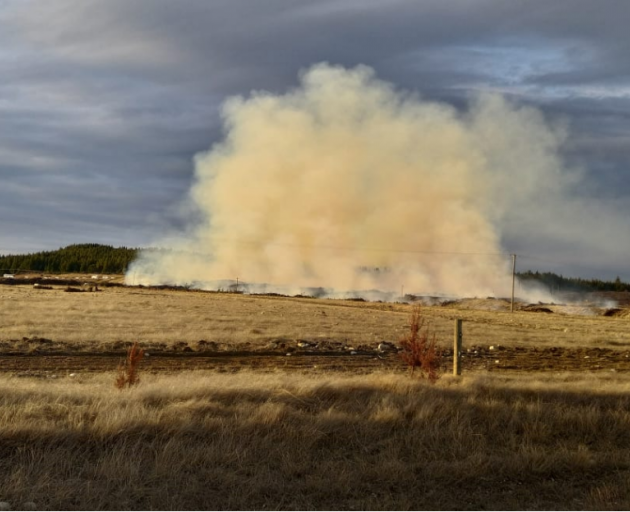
(165, 317)
(286, 441)
(295, 437)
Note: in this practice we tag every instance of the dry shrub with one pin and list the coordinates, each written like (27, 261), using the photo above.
(419, 349)
(128, 369)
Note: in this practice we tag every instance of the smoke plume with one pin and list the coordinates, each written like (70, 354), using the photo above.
(346, 183)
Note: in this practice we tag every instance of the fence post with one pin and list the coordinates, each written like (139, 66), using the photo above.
(457, 348)
(513, 278)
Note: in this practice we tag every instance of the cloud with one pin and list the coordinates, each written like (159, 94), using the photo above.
(125, 93)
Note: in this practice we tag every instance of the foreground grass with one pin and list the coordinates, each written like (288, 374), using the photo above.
(251, 441)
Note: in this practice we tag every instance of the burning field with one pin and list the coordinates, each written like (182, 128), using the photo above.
(346, 182)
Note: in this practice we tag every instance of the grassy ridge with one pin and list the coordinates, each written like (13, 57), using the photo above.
(251, 441)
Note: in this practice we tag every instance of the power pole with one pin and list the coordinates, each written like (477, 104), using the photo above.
(513, 279)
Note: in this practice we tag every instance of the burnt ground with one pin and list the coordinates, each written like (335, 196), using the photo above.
(497, 359)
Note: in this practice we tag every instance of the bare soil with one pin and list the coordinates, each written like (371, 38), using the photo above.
(514, 359)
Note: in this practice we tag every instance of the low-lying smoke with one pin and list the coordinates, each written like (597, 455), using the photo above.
(348, 184)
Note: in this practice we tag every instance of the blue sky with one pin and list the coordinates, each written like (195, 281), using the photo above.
(103, 104)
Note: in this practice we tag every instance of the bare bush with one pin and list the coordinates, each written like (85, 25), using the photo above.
(128, 369)
(419, 347)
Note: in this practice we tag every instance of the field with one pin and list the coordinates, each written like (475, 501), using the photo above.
(181, 329)
(268, 402)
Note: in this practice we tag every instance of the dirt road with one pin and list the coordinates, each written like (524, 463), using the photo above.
(554, 359)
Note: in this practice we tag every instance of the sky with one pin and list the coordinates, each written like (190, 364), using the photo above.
(104, 104)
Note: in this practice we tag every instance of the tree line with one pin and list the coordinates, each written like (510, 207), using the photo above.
(559, 283)
(76, 258)
(105, 259)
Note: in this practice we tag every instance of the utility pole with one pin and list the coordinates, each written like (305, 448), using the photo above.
(513, 279)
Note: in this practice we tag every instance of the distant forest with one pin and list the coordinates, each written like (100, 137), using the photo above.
(78, 258)
(558, 283)
(105, 259)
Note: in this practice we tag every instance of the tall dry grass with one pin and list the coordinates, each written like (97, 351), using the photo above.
(251, 441)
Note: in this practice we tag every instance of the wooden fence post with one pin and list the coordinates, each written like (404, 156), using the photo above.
(513, 278)
(457, 348)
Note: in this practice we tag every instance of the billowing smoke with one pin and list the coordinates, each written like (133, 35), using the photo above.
(348, 184)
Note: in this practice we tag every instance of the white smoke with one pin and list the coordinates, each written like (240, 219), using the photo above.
(348, 184)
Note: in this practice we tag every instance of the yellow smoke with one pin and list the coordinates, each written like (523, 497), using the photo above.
(345, 173)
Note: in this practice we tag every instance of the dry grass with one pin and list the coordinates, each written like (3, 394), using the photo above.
(93, 321)
(279, 441)
(250, 441)
(150, 316)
